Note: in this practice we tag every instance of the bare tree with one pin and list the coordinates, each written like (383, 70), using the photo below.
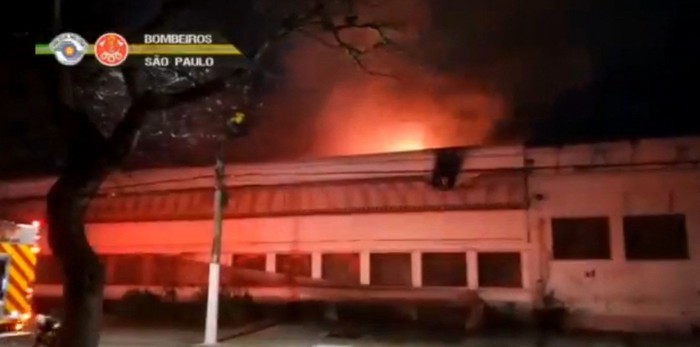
(129, 101)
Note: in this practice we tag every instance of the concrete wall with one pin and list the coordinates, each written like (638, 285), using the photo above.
(622, 294)
(609, 179)
(466, 232)
(380, 232)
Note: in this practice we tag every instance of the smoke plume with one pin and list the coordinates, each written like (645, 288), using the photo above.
(461, 71)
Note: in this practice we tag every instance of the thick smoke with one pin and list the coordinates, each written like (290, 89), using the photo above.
(462, 71)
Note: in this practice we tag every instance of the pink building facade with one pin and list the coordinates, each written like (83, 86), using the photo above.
(612, 230)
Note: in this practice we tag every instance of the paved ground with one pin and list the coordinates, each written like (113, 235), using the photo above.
(127, 337)
(312, 336)
(308, 336)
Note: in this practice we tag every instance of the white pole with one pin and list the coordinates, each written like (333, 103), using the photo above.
(211, 326)
(211, 329)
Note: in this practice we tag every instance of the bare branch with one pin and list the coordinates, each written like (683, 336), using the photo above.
(126, 133)
(318, 17)
(290, 24)
(318, 38)
(328, 25)
(144, 102)
(158, 101)
(81, 135)
(361, 64)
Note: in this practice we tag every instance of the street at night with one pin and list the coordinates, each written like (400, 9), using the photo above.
(350, 173)
(312, 336)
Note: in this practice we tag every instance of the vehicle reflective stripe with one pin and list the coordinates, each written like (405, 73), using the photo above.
(23, 258)
(21, 276)
(16, 299)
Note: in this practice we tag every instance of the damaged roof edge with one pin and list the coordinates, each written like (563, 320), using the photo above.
(387, 165)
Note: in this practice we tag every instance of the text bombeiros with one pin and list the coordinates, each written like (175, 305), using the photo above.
(178, 39)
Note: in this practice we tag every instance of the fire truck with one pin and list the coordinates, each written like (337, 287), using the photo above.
(18, 255)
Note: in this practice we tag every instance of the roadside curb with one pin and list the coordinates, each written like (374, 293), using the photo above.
(249, 329)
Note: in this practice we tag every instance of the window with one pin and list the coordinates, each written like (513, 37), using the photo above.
(500, 270)
(343, 269)
(249, 261)
(127, 269)
(444, 269)
(4, 264)
(295, 265)
(165, 270)
(581, 238)
(48, 270)
(655, 237)
(390, 269)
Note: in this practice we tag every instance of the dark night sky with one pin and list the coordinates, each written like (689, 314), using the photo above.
(557, 72)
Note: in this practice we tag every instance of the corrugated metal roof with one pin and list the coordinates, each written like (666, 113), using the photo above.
(493, 191)
(319, 170)
(407, 164)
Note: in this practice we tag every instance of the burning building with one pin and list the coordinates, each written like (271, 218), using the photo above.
(609, 230)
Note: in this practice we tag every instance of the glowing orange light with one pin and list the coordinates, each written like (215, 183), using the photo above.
(36, 223)
(405, 145)
(406, 137)
(36, 249)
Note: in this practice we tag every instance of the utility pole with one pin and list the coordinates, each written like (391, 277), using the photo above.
(212, 321)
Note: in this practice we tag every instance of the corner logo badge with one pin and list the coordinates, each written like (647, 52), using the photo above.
(111, 49)
(69, 48)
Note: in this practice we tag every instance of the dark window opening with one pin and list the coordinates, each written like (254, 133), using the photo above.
(342, 269)
(656, 237)
(48, 270)
(500, 270)
(390, 269)
(444, 269)
(126, 269)
(165, 270)
(249, 261)
(4, 264)
(294, 265)
(581, 238)
(448, 164)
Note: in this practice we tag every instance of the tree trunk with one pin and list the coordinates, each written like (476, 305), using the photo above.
(90, 159)
(84, 278)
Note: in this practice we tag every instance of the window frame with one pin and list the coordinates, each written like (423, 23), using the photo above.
(464, 273)
(609, 253)
(686, 239)
(400, 254)
(249, 255)
(355, 256)
(521, 261)
(307, 256)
